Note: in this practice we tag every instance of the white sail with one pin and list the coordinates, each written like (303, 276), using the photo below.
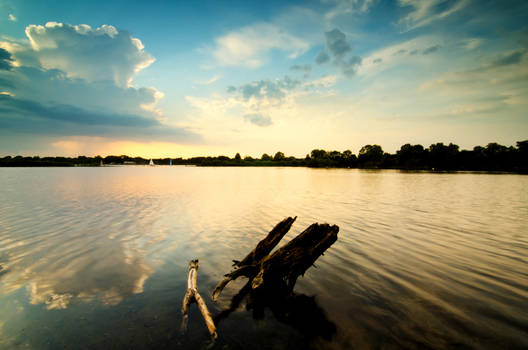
(151, 162)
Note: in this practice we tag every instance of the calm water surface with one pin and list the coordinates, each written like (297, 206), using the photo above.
(97, 257)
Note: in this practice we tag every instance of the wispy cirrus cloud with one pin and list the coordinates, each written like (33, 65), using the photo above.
(249, 46)
(424, 12)
(343, 7)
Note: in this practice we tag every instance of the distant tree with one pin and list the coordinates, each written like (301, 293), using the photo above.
(411, 156)
(522, 155)
(443, 157)
(278, 156)
(237, 157)
(248, 158)
(266, 156)
(349, 159)
(318, 154)
(522, 146)
(370, 156)
(335, 156)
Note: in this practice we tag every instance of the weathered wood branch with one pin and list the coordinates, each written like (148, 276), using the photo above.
(192, 295)
(247, 267)
(293, 259)
(272, 278)
(281, 269)
(265, 246)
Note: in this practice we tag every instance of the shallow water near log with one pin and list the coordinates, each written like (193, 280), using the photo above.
(98, 257)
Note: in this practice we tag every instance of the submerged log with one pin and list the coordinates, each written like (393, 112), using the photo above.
(192, 295)
(281, 269)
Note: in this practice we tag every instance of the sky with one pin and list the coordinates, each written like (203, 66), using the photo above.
(182, 79)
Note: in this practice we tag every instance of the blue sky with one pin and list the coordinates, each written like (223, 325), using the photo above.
(207, 78)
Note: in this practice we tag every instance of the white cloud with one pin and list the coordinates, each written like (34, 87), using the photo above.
(402, 53)
(473, 43)
(349, 7)
(102, 53)
(424, 12)
(208, 81)
(12, 17)
(248, 46)
(74, 80)
(325, 81)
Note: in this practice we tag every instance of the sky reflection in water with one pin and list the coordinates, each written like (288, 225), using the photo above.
(422, 260)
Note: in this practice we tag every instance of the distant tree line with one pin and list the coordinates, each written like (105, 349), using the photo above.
(437, 157)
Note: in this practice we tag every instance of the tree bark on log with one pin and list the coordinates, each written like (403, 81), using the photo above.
(192, 295)
(280, 270)
(248, 266)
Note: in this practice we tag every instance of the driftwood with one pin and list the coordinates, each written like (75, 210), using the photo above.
(272, 278)
(281, 269)
(248, 266)
(193, 295)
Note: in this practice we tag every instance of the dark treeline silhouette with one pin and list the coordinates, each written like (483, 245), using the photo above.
(437, 157)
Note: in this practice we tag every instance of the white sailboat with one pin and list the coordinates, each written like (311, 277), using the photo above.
(151, 163)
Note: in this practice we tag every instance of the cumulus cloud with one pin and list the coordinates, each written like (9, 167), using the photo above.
(377, 60)
(74, 80)
(12, 17)
(424, 12)
(248, 46)
(336, 43)
(258, 119)
(271, 90)
(82, 52)
(339, 48)
(254, 102)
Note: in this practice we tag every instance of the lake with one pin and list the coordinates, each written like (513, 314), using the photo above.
(98, 257)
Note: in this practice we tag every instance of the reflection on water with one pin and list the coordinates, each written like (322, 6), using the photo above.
(97, 257)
